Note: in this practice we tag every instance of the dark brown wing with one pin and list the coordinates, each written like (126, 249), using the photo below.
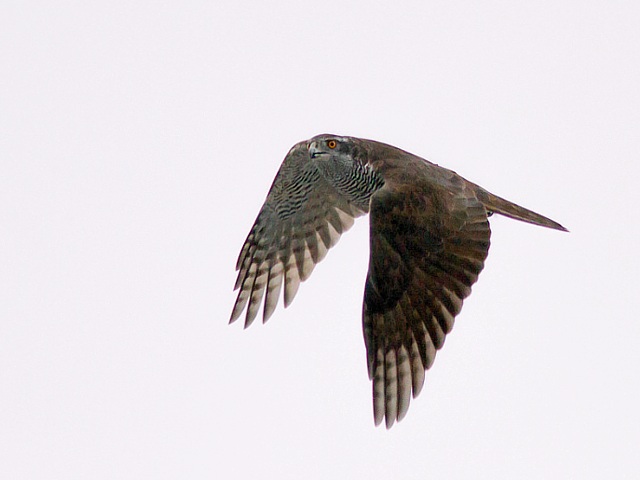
(428, 245)
(302, 217)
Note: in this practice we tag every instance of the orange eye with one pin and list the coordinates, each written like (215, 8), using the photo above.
(332, 144)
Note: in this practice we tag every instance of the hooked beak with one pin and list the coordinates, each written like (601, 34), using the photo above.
(314, 151)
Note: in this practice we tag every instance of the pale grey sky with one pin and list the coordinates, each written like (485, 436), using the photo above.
(137, 144)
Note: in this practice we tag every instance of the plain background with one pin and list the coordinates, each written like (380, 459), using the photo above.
(137, 143)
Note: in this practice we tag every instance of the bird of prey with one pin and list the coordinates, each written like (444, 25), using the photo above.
(429, 237)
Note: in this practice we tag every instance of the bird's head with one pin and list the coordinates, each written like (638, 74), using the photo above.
(333, 155)
(326, 147)
(352, 151)
(344, 164)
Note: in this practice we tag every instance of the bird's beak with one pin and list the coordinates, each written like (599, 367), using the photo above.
(314, 151)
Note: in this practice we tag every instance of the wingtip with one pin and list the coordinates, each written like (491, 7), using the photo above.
(377, 420)
(266, 313)
(389, 422)
(235, 314)
(249, 318)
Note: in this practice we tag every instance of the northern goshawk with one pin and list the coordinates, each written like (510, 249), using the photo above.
(429, 237)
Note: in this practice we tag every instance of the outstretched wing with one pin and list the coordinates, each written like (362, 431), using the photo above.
(428, 245)
(302, 217)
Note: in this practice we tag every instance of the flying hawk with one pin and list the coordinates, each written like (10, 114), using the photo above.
(429, 237)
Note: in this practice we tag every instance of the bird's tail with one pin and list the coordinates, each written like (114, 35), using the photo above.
(493, 203)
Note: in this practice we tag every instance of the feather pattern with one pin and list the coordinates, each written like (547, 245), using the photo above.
(302, 217)
(429, 238)
(422, 265)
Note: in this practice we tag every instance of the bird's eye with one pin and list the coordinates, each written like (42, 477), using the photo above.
(332, 144)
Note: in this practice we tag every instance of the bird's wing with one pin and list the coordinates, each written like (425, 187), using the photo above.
(428, 245)
(302, 217)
